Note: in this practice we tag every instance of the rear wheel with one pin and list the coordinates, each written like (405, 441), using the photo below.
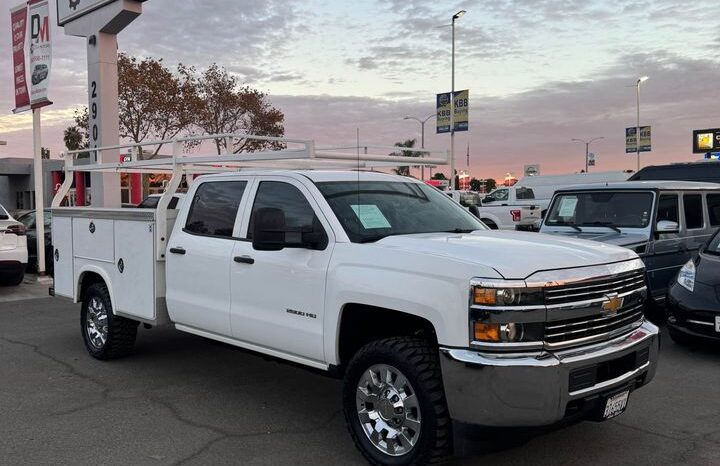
(106, 335)
(394, 403)
(16, 279)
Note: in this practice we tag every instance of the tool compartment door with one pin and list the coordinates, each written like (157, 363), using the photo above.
(63, 256)
(134, 282)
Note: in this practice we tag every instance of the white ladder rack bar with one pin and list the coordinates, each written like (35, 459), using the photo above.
(304, 158)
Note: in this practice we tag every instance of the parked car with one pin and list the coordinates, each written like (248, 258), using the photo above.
(28, 219)
(13, 249)
(544, 186)
(498, 217)
(432, 321)
(694, 298)
(706, 171)
(152, 200)
(39, 73)
(665, 222)
(516, 196)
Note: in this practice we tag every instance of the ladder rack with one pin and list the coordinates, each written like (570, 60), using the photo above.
(302, 156)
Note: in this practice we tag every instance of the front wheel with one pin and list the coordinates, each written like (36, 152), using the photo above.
(394, 403)
(106, 335)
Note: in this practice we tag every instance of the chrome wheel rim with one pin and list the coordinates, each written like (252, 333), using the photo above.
(388, 410)
(96, 324)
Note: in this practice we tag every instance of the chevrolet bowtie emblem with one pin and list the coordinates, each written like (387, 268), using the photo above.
(612, 304)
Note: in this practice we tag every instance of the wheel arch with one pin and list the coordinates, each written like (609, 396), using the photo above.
(88, 276)
(358, 325)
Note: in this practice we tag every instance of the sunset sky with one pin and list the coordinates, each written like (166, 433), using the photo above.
(540, 72)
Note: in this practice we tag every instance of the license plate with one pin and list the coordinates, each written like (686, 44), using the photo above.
(616, 405)
(717, 324)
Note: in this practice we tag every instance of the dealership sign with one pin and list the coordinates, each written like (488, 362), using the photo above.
(40, 51)
(444, 110)
(706, 140)
(67, 10)
(631, 140)
(18, 28)
(531, 170)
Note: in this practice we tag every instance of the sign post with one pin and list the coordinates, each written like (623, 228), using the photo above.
(99, 22)
(35, 18)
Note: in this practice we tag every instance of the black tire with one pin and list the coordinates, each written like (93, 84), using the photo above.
(492, 225)
(417, 360)
(681, 338)
(120, 332)
(16, 279)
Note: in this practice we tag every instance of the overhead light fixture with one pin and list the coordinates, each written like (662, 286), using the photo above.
(459, 14)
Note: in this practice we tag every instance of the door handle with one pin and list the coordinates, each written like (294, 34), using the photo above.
(244, 260)
(177, 250)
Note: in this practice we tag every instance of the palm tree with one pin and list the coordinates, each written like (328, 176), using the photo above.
(405, 171)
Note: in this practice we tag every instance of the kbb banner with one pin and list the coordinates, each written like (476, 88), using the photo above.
(18, 28)
(40, 52)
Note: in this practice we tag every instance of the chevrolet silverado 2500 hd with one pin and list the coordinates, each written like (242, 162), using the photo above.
(432, 320)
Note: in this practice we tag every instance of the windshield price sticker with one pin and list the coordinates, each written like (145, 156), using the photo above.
(567, 206)
(370, 216)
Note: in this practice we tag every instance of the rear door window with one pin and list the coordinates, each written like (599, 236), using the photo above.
(713, 203)
(692, 206)
(524, 193)
(214, 208)
(668, 208)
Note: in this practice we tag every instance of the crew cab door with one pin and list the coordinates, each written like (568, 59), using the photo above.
(199, 255)
(278, 297)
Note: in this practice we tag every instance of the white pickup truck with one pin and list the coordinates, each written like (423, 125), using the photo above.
(432, 321)
(498, 217)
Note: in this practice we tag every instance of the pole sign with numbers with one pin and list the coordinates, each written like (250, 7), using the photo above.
(443, 111)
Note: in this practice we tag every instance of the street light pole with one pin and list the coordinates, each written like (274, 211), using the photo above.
(587, 148)
(422, 138)
(453, 185)
(640, 80)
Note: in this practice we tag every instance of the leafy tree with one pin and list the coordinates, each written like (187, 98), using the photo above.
(226, 106)
(439, 176)
(154, 102)
(405, 171)
(490, 184)
(77, 137)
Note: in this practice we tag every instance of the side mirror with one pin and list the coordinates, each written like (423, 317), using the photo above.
(268, 230)
(667, 226)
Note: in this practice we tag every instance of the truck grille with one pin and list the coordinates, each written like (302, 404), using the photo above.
(597, 326)
(594, 289)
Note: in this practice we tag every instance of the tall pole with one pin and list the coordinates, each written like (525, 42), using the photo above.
(587, 149)
(422, 146)
(453, 186)
(39, 193)
(637, 128)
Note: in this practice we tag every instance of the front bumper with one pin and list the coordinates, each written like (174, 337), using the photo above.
(542, 388)
(694, 313)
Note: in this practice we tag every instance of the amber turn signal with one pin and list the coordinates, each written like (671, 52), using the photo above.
(486, 332)
(484, 296)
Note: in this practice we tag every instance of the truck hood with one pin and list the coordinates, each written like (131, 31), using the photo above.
(610, 237)
(514, 255)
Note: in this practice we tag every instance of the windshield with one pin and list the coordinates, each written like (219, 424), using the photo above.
(372, 210)
(601, 208)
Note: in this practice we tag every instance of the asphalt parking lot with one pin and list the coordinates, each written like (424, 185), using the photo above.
(185, 400)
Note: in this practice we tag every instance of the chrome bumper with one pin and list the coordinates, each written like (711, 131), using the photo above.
(533, 389)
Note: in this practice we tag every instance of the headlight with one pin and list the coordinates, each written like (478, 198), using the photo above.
(686, 277)
(497, 333)
(511, 296)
